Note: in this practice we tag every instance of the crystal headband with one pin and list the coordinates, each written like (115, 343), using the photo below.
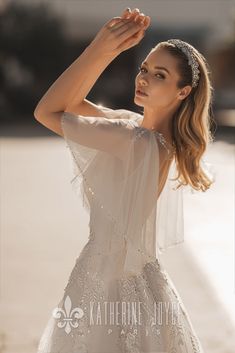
(192, 61)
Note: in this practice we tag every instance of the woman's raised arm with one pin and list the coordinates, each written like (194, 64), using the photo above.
(77, 80)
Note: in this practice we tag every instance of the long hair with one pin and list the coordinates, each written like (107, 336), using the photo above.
(191, 124)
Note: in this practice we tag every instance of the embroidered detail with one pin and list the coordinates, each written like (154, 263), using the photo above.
(89, 283)
(151, 285)
(195, 344)
(154, 285)
(142, 130)
(129, 342)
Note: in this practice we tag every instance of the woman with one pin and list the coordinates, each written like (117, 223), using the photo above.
(119, 298)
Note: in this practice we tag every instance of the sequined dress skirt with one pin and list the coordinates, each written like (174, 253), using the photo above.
(142, 313)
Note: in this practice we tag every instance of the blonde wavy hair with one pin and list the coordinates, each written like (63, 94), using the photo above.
(192, 122)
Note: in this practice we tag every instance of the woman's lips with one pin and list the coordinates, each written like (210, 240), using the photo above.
(139, 93)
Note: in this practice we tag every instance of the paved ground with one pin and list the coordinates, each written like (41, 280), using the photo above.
(40, 215)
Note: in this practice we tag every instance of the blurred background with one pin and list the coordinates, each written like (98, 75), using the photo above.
(40, 214)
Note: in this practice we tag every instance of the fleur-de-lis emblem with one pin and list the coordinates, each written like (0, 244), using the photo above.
(69, 318)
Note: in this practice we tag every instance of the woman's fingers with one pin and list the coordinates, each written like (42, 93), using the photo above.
(148, 21)
(128, 29)
(131, 41)
(126, 13)
(136, 16)
(124, 26)
(116, 25)
(136, 13)
(141, 17)
(112, 22)
(120, 32)
(131, 27)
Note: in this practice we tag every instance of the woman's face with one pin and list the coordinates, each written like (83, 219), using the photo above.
(158, 83)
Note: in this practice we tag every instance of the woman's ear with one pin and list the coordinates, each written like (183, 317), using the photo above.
(184, 92)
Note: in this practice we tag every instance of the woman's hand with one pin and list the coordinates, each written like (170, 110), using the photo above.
(121, 33)
(138, 17)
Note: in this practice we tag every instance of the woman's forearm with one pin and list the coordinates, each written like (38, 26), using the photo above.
(74, 84)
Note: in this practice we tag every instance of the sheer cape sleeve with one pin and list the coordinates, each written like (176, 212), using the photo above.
(117, 168)
(170, 224)
(170, 213)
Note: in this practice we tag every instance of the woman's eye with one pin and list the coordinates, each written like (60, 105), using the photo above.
(162, 76)
(143, 68)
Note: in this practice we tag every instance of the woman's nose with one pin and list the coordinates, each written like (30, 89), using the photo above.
(143, 81)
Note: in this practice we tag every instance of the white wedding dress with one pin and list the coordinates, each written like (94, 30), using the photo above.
(119, 298)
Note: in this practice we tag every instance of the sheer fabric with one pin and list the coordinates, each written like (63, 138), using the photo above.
(122, 171)
(118, 145)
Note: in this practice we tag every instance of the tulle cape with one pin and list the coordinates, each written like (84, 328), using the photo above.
(118, 169)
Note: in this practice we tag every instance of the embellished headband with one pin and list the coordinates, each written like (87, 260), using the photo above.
(192, 60)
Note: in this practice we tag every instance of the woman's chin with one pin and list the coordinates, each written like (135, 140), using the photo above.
(138, 101)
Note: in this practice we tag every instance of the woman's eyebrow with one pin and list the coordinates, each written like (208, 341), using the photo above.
(157, 67)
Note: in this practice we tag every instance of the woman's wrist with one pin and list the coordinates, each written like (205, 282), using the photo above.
(100, 51)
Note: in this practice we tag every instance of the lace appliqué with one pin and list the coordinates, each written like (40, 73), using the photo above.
(86, 284)
(152, 285)
(137, 289)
